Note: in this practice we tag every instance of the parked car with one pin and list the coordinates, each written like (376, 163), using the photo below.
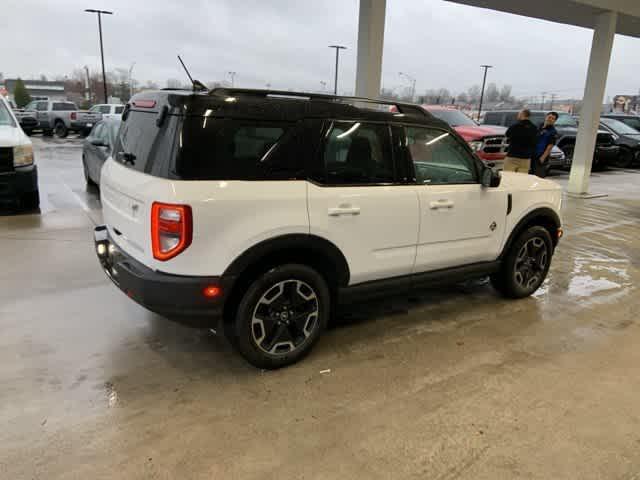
(108, 110)
(265, 209)
(18, 172)
(62, 117)
(632, 120)
(26, 118)
(488, 143)
(605, 152)
(97, 147)
(626, 137)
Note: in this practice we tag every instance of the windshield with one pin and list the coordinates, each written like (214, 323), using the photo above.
(5, 116)
(618, 127)
(566, 120)
(455, 118)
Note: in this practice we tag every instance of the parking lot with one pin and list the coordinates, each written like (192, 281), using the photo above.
(454, 383)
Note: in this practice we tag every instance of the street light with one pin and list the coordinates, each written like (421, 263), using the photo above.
(335, 83)
(233, 78)
(131, 79)
(484, 81)
(412, 81)
(104, 76)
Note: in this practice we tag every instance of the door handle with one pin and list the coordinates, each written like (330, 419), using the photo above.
(441, 204)
(336, 212)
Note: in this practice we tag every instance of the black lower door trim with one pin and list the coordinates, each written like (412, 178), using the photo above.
(407, 283)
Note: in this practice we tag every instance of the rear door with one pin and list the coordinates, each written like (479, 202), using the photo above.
(127, 190)
(358, 201)
(460, 221)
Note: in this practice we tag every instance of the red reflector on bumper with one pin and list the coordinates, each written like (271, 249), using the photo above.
(211, 291)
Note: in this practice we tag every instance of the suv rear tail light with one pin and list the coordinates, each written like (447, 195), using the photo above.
(74, 115)
(171, 230)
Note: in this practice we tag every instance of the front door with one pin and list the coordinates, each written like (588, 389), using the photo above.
(357, 203)
(461, 222)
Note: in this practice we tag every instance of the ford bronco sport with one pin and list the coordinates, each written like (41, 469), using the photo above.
(262, 210)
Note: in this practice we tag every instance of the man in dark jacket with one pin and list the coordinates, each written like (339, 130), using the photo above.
(522, 142)
(547, 138)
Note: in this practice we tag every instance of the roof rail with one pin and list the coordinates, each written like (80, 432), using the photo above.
(401, 106)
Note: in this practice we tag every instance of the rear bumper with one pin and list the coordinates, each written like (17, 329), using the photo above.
(179, 298)
(22, 181)
(82, 125)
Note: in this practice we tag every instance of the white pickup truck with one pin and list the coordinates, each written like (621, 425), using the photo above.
(62, 117)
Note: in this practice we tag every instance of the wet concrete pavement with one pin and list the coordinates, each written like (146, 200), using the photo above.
(454, 384)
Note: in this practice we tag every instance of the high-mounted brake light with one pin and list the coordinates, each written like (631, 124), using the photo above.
(144, 103)
(171, 230)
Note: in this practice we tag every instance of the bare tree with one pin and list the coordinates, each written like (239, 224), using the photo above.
(474, 94)
(492, 94)
(505, 94)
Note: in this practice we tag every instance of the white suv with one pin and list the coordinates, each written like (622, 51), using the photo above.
(262, 210)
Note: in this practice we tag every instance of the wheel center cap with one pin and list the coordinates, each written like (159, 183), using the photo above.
(284, 316)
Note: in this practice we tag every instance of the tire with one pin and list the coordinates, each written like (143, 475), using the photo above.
(624, 158)
(529, 255)
(568, 150)
(87, 177)
(281, 316)
(61, 130)
(30, 201)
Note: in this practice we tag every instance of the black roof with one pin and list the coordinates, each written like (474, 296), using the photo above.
(279, 105)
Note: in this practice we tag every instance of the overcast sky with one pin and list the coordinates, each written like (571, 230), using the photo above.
(284, 43)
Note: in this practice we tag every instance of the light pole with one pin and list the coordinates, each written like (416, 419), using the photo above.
(335, 82)
(104, 75)
(484, 82)
(233, 78)
(131, 79)
(412, 81)
(88, 82)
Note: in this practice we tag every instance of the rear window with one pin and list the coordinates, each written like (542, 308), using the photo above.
(63, 106)
(199, 148)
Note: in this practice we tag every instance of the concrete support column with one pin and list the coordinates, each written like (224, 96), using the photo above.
(370, 44)
(599, 60)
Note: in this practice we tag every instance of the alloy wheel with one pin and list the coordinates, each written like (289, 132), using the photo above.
(531, 263)
(285, 317)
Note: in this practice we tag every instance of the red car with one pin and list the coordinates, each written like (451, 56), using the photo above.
(489, 143)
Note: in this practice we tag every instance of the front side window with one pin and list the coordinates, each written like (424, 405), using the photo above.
(119, 110)
(105, 109)
(566, 120)
(358, 153)
(42, 106)
(438, 158)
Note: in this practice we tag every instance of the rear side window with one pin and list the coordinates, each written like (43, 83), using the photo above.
(63, 106)
(510, 118)
(358, 154)
(492, 118)
(225, 149)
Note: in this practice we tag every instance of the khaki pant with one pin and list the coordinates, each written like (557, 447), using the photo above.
(519, 165)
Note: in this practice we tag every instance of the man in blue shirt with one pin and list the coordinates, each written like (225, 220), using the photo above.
(547, 137)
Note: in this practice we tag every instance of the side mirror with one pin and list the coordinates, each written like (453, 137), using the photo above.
(490, 179)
